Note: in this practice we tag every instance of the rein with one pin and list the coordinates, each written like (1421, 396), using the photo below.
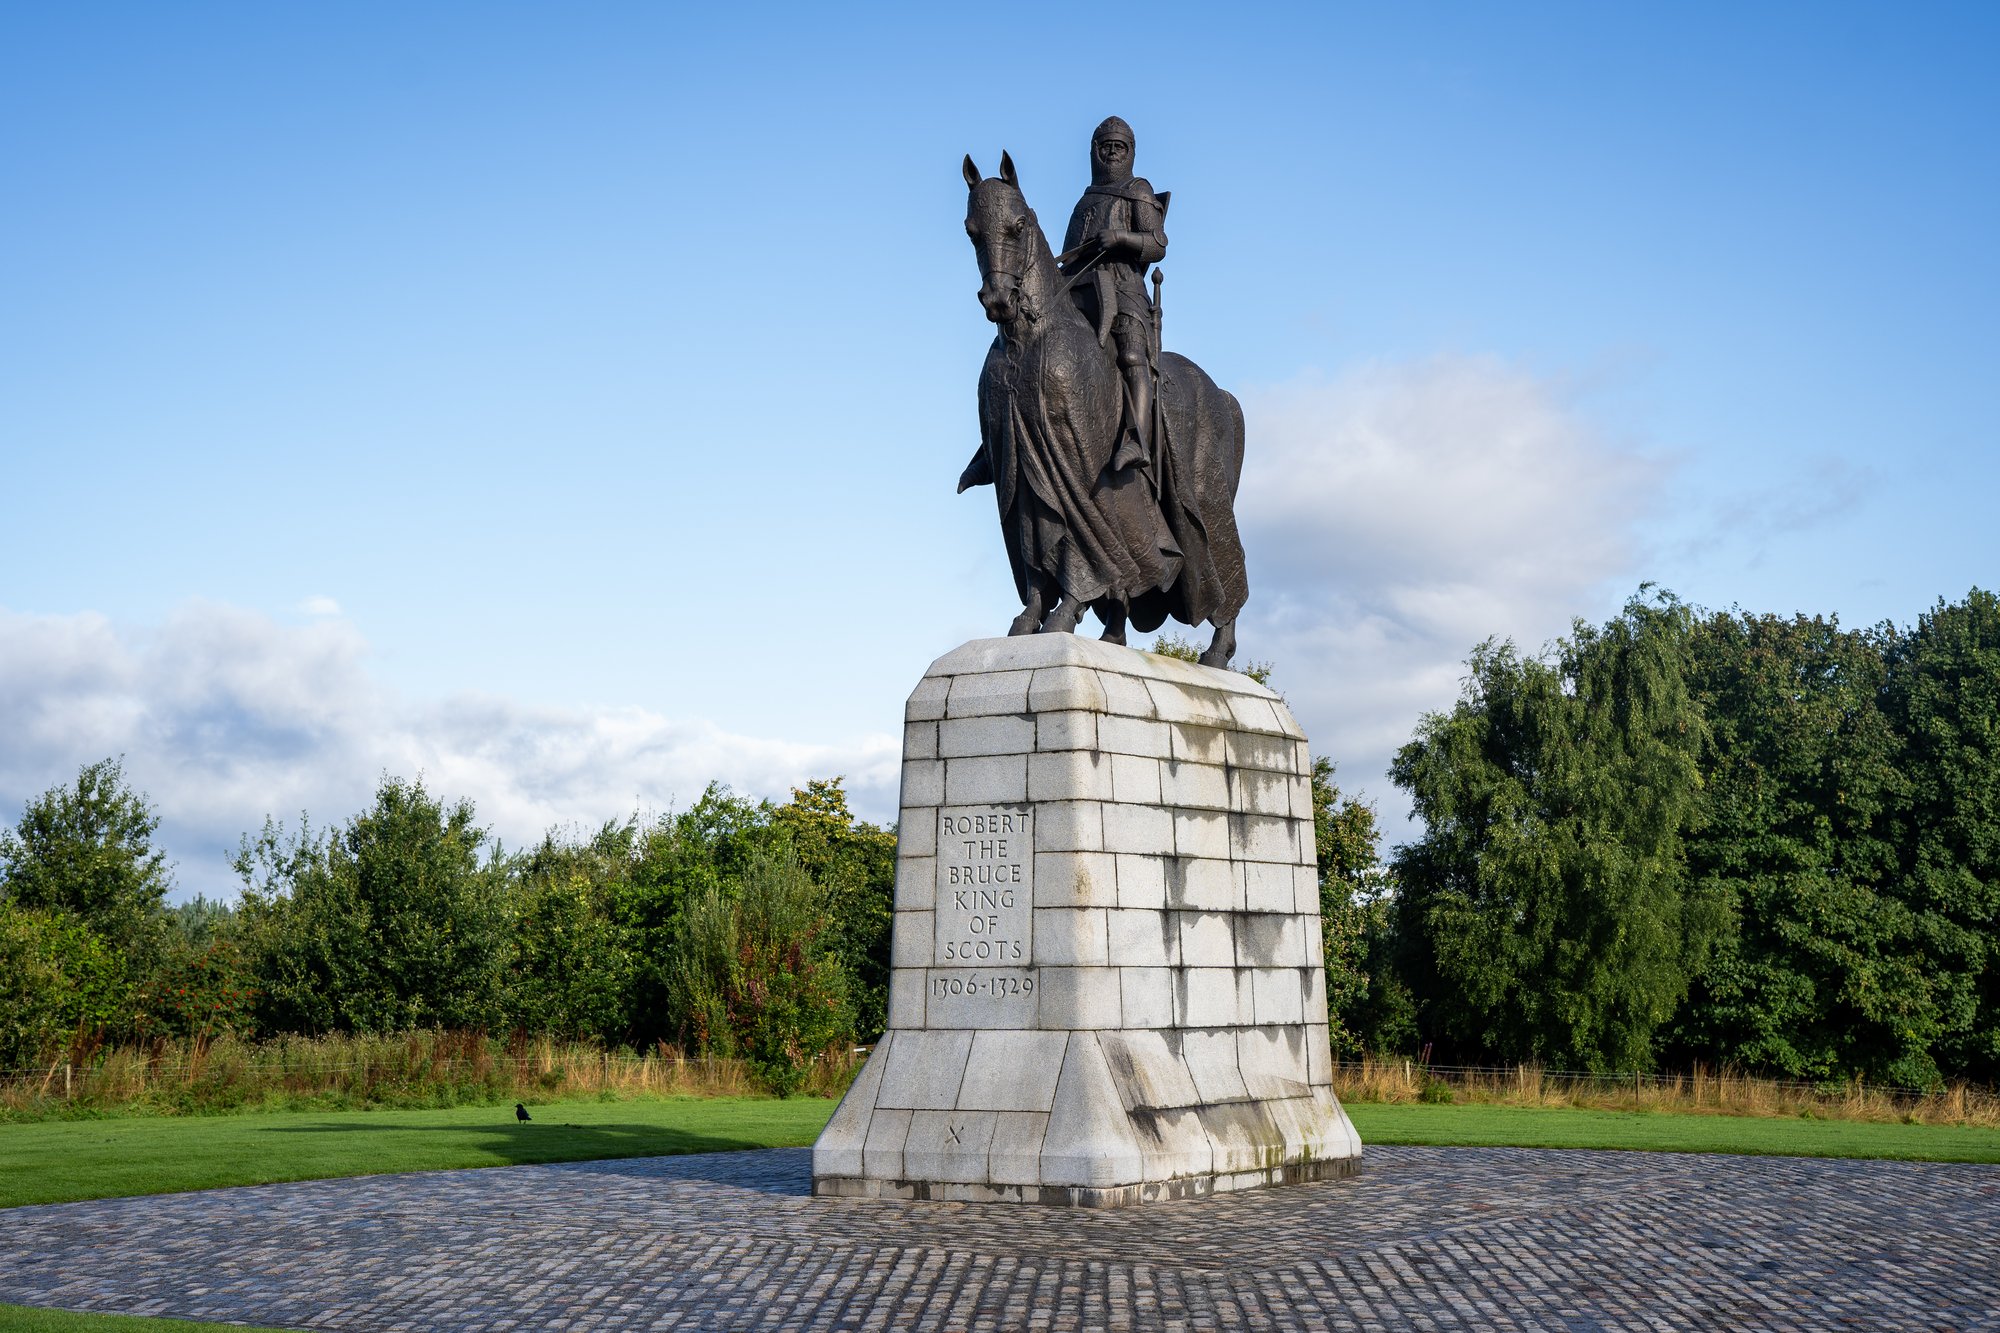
(1067, 281)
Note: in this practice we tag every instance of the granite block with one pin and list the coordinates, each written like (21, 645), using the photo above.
(916, 831)
(1211, 1062)
(1202, 884)
(923, 782)
(916, 883)
(1146, 997)
(1070, 775)
(926, 703)
(1192, 786)
(1015, 1157)
(1191, 744)
(1079, 998)
(906, 998)
(1144, 829)
(1142, 881)
(1059, 690)
(1013, 1071)
(1135, 779)
(911, 938)
(1270, 886)
(924, 1070)
(988, 692)
(1207, 997)
(1202, 833)
(1174, 701)
(1117, 734)
(1206, 939)
(1126, 696)
(1006, 734)
(948, 1146)
(1075, 879)
(1143, 938)
(882, 1153)
(1070, 937)
(986, 780)
(1066, 731)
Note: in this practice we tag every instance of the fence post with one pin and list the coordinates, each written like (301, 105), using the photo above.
(66, 1076)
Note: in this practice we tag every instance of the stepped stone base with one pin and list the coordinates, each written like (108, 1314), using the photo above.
(1107, 983)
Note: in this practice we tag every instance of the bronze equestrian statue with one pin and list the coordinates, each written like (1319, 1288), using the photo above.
(1114, 464)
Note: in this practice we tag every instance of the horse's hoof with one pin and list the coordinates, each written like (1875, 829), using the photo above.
(1116, 636)
(1220, 649)
(1025, 623)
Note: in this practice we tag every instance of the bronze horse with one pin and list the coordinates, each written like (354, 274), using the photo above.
(1134, 543)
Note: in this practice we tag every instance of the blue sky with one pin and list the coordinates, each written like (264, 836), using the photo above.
(566, 404)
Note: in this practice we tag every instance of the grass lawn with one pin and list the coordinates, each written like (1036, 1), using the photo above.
(24, 1319)
(1473, 1124)
(55, 1160)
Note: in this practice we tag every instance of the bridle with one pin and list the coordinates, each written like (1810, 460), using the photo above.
(1016, 276)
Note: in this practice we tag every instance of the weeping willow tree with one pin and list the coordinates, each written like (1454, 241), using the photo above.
(1547, 913)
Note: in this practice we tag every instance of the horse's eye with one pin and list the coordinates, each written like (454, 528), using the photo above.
(1018, 225)
(971, 230)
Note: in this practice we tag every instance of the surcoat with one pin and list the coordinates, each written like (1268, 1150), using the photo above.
(1120, 279)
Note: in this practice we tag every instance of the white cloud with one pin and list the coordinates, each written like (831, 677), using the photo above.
(1399, 514)
(225, 716)
(319, 605)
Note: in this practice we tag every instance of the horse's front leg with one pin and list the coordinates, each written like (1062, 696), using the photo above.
(1112, 612)
(1222, 647)
(1063, 617)
(1030, 618)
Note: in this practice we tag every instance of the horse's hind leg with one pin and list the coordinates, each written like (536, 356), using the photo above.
(1222, 647)
(1112, 613)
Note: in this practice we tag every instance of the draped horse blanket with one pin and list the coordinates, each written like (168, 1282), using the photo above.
(1150, 539)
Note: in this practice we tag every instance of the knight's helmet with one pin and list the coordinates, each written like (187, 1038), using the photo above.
(1102, 173)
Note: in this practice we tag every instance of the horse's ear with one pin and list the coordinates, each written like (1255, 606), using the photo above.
(1007, 170)
(971, 173)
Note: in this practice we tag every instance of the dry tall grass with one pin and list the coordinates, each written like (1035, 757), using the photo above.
(408, 1069)
(1724, 1092)
(452, 1068)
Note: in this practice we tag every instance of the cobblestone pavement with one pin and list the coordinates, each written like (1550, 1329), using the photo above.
(1427, 1238)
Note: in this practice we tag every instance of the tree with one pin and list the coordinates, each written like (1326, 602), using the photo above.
(678, 860)
(1943, 697)
(87, 850)
(572, 964)
(1363, 996)
(1821, 976)
(1546, 913)
(62, 987)
(757, 976)
(389, 923)
(854, 864)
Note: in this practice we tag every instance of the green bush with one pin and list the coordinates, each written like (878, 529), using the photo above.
(758, 976)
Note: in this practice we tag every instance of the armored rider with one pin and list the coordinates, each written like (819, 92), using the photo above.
(1118, 230)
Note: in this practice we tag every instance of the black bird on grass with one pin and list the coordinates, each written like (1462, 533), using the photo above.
(521, 1113)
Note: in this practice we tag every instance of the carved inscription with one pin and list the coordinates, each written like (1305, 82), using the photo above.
(985, 886)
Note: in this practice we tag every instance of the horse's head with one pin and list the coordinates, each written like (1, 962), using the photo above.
(1007, 240)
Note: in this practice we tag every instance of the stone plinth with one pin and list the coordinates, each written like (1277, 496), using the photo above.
(1107, 982)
